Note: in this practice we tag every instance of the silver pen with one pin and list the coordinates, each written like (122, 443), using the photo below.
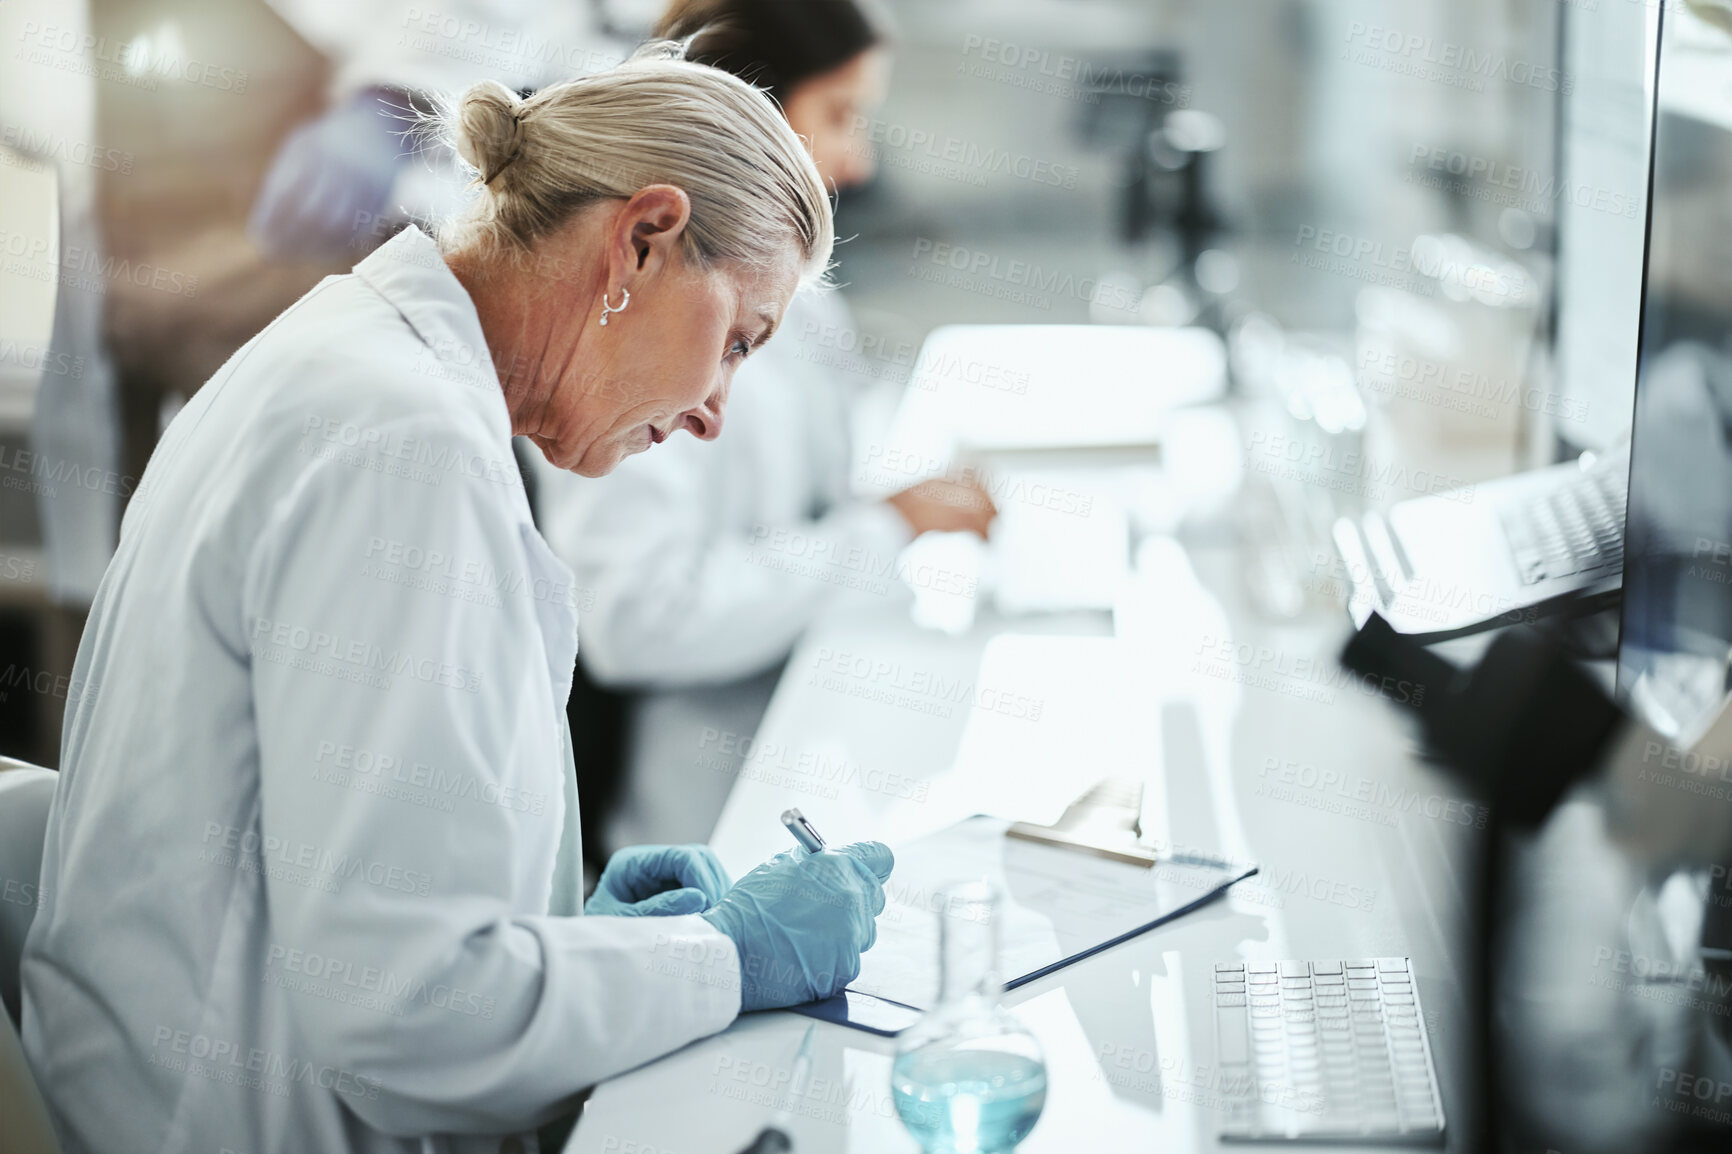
(804, 831)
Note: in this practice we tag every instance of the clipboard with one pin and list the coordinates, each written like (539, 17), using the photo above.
(1061, 906)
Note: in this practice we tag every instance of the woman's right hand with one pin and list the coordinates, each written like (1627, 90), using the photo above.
(941, 506)
(801, 921)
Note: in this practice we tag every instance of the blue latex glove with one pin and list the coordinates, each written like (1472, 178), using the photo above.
(801, 922)
(331, 181)
(659, 881)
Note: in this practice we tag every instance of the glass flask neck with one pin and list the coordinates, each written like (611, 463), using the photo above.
(968, 945)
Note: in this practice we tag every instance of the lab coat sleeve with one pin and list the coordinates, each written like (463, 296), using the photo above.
(446, 47)
(673, 599)
(460, 1006)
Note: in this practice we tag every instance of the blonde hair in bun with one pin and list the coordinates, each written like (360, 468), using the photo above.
(488, 132)
(654, 119)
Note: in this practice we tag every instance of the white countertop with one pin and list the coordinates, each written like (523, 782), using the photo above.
(1252, 742)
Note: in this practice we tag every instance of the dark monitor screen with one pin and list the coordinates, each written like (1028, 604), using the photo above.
(1677, 602)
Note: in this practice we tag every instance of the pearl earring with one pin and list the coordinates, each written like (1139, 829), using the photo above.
(607, 308)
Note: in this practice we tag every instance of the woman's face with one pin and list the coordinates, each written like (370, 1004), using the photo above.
(829, 109)
(674, 363)
(667, 363)
(590, 395)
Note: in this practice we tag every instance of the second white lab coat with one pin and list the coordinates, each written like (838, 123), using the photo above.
(440, 50)
(310, 859)
(446, 47)
(700, 564)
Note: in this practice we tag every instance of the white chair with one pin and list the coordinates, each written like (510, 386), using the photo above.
(25, 793)
(24, 1125)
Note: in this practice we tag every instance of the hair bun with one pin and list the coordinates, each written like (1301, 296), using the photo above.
(487, 127)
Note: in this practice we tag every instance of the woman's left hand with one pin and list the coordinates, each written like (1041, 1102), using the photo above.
(659, 881)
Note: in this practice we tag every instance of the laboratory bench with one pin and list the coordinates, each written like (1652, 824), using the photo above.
(1253, 745)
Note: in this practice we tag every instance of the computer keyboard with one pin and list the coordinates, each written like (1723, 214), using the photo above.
(1324, 1051)
(1576, 528)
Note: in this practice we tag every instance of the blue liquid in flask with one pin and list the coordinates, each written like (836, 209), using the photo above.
(968, 1101)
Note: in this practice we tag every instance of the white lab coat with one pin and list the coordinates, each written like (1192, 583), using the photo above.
(446, 47)
(307, 869)
(700, 565)
(441, 50)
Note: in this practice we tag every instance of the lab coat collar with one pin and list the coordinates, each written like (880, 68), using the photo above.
(408, 271)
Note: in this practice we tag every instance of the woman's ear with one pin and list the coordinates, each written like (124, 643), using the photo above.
(652, 227)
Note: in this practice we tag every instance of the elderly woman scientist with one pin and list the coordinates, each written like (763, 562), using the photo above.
(311, 864)
(690, 605)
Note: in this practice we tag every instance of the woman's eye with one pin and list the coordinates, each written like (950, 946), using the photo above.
(739, 350)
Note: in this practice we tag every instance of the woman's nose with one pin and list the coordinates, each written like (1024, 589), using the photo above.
(705, 422)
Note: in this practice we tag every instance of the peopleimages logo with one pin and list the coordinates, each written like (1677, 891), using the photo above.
(1039, 285)
(499, 46)
(839, 562)
(1270, 668)
(360, 762)
(87, 270)
(1445, 61)
(140, 62)
(726, 751)
(389, 445)
(249, 1067)
(1528, 188)
(1059, 74)
(1298, 459)
(368, 986)
(273, 639)
(40, 359)
(978, 160)
(41, 147)
(387, 557)
(44, 683)
(33, 472)
(228, 845)
(1699, 1096)
(1458, 388)
(919, 690)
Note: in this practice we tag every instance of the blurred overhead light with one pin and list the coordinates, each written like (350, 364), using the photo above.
(1166, 306)
(1217, 271)
(1516, 228)
(1192, 130)
(1464, 271)
(161, 50)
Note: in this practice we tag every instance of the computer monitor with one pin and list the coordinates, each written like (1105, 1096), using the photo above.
(1604, 112)
(1676, 636)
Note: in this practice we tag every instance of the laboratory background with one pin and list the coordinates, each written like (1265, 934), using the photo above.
(1246, 528)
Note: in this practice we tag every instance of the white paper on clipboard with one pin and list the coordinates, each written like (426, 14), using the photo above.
(1060, 905)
